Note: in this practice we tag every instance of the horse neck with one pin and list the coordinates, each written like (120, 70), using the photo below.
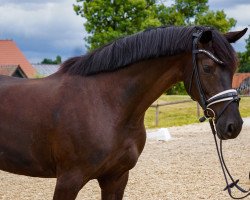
(142, 83)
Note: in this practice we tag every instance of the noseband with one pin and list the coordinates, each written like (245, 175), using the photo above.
(227, 97)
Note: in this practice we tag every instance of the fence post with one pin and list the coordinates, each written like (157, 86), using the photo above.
(158, 105)
(157, 114)
(198, 110)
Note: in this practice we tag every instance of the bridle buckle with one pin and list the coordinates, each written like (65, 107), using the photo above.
(209, 113)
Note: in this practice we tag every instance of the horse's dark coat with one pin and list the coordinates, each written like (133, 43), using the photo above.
(80, 124)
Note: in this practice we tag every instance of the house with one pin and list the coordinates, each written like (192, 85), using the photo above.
(45, 69)
(12, 70)
(239, 78)
(13, 61)
(241, 82)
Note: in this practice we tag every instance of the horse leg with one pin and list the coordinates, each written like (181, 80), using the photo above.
(113, 187)
(68, 185)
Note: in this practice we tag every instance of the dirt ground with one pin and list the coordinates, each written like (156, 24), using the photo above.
(185, 168)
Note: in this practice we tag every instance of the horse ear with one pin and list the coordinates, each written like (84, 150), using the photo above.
(232, 37)
(206, 37)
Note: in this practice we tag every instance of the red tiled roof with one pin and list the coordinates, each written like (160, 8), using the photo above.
(10, 54)
(239, 78)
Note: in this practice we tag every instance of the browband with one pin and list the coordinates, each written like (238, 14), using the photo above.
(208, 53)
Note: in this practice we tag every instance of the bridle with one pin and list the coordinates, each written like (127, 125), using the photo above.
(227, 97)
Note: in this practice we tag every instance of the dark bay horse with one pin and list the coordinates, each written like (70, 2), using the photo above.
(87, 120)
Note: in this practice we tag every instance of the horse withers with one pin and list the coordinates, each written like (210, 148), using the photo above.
(86, 121)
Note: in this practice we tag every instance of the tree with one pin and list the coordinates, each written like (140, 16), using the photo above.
(193, 12)
(177, 89)
(216, 19)
(48, 61)
(107, 20)
(182, 12)
(245, 58)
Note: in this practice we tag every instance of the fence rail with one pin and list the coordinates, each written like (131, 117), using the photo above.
(154, 105)
(157, 106)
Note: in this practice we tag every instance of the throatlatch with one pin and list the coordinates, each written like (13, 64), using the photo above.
(227, 97)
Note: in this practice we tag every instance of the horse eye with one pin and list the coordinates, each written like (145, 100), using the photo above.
(207, 69)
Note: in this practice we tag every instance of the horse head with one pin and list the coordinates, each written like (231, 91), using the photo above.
(210, 80)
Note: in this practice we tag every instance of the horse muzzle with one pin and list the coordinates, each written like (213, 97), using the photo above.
(226, 117)
(229, 129)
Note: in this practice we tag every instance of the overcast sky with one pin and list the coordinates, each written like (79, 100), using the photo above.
(47, 28)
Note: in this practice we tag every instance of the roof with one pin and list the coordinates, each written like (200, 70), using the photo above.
(45, 69)
(239, 78)
(12, 70)
(10, 54)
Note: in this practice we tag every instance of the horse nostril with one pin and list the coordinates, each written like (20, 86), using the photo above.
(230, 129)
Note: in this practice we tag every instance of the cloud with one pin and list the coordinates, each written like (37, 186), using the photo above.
(46, 28)
(3, 2)
(238, 10)
(42, 26)
(224, 4)
(241, 13)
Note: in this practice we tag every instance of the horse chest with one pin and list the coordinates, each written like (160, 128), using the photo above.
(127, 155)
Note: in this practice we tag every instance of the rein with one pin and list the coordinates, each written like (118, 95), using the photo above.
(228, 96)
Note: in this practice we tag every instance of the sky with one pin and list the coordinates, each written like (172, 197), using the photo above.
(47, 28)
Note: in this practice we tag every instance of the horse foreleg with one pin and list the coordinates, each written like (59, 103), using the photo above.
(113, 187)
(68, 185)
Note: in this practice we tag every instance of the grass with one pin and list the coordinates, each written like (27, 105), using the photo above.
(184, 113)
(245, 106)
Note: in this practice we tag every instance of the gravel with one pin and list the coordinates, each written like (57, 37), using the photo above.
(185, 167)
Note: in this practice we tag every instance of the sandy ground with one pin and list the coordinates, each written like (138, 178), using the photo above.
(186, 168)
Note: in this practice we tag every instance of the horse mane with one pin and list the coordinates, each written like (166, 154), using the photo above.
(151, 43)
